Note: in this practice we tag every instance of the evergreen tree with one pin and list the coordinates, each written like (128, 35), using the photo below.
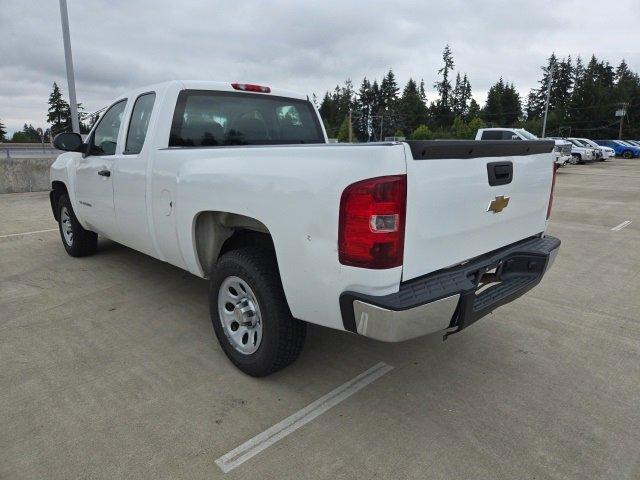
(388, 106)
(593, 101)
(423, 93)
(362, 123)
(474, 109)
(627, 91)
(442, 106)
(562, 85)
(335, 107)
(3, 132)
(377, 105)
(412, 109)
(503, 107)
(537, 97)
(461, 96)
(343, 131)
(59, 113)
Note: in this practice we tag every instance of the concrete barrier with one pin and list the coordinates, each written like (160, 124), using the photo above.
(25, 174)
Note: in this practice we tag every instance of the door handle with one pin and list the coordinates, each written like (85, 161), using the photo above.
(104, 173)
(500, 173)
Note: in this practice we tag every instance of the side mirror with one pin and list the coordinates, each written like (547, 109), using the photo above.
(69, 142)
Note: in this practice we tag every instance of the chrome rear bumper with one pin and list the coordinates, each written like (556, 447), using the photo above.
(396, 326)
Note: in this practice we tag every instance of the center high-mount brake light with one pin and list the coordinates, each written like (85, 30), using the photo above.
(250, 87)
(372, 221)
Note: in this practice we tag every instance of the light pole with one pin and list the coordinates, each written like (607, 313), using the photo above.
(621, 113)
(73, 103)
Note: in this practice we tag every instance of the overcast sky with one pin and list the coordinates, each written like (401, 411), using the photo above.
(300, 45)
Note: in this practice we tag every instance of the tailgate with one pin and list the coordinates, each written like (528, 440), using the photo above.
(449, 195)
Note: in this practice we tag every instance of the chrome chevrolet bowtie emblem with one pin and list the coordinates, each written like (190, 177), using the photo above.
(498, 204)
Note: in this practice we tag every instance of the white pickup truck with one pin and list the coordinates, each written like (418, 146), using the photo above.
(236, 183)
(562, 150)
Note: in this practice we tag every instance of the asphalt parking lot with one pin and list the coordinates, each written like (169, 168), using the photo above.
(109, 367)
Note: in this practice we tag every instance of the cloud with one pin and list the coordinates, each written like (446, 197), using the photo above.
(305, 46)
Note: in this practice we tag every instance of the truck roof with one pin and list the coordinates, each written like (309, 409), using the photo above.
(218, 86)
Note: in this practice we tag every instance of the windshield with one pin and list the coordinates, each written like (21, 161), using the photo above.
(581, 143)
(586, 141)
(575, 142)
(527, 135)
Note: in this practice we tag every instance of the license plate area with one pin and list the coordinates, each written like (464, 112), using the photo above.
(492, 281)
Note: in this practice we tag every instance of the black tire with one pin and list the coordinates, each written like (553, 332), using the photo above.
(82, 242)
(282, 335)
(627, 154)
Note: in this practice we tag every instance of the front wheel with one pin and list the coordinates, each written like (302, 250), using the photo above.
(627, 154)
(77, 241)
(250, 315)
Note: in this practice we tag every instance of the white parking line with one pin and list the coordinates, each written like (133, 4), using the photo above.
(624, 224)
(28, 233)
(264, 440)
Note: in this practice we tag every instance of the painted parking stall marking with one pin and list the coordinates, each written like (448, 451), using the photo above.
(28, 233)
(624, 224)
(264, 440)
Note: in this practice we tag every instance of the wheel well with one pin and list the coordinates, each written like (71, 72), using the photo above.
(219, 232)
(57, 190)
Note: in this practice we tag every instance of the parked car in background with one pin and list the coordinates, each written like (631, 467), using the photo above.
(633, 142)
(580, 153)
(621, 148)
(236, 183)
(607, 152)
(561, 151)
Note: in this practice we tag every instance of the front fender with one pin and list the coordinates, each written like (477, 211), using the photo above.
(64, 170)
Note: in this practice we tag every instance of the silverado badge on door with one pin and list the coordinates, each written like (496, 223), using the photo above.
(498, 204)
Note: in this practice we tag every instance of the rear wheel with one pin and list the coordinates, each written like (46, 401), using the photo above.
(77, 241)
(250, 315)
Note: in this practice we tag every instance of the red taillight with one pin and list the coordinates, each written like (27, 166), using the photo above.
(372, 218)
(553, 184)
(250, 87)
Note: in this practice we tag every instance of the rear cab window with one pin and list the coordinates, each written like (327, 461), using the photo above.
(496, 135)
(205, 118)
(139, 123)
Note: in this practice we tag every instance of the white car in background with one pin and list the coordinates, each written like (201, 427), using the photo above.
(607, 152)
(561, 151)
(579, 153)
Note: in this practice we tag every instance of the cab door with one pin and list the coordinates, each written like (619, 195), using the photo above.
(130, 178)
(94, 180)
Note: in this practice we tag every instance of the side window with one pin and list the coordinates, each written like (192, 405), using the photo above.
(508, 135)
(105, 136)
(139, 123)
(492, 135)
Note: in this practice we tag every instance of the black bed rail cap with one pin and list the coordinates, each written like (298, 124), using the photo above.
(462, 149)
